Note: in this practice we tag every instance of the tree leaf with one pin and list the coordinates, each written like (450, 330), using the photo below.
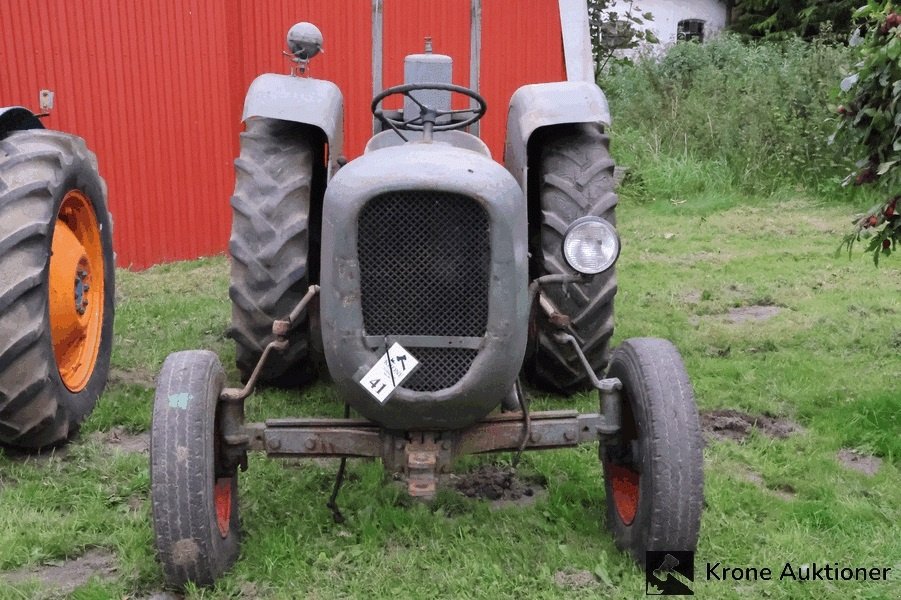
(849, 81)
(884, 167)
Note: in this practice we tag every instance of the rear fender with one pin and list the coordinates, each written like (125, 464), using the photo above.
(16, 118)
(544, 104)
(312, 102)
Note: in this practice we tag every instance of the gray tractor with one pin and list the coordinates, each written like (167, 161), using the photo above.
(425, 280)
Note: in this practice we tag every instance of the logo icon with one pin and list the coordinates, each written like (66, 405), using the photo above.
(669, 573)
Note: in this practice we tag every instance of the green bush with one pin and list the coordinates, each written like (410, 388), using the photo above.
(871, 122)
(754, 116)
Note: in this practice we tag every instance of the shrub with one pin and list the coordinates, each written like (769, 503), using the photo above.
(753, 115)
(871, 120)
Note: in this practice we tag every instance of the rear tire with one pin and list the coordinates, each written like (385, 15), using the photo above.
(653, 476)
(269, 245)
(54, 361)
(194, 503)
(576, 180)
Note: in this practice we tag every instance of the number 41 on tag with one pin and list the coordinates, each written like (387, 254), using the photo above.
(389, 372)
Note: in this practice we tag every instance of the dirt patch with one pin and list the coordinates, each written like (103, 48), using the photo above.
(862, 463)
(743, 314)
(691, 296)
(821, 225)
(65, 576)
(752, 477)
(500, 485)
(784, 491)
(575, 579)
(135, 504)
(120, 440)
(728, 424)
(140, 377)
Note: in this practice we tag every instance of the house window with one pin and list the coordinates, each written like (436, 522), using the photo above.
(690, 29)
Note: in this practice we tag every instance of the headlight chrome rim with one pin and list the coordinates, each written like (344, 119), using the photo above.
(567, 247)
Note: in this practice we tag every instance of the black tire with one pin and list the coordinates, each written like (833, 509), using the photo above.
(270, 245)
(659, 454)
(575, 179)
(39, 169)
(194, 542)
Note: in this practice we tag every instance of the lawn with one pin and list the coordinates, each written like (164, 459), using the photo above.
(769, 321)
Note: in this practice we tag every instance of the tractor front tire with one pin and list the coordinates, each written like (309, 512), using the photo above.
(653, 474)
(575, 174)
(194, 503)
(269, 246)
(57, 287)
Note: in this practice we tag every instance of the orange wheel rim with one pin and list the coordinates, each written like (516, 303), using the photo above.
(624, 482)
(223, 500)
(76, 290)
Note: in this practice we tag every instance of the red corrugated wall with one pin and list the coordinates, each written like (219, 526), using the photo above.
(157, 88)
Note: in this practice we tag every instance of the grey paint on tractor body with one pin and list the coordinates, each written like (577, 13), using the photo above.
(457, 163)
(304, 100)
(431, 68)
(544, 104)
(16, 118)
(440, 167)
(459, 139)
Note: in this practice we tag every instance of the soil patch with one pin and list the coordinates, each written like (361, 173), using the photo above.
(862, 463)
(784, 491)
(66, 576)
(752, 477)
(139, 377)
(575, 579)
(135, 504)
(499, 484)
(743, 314)
(728, 424)
(691, 296)
(120, 440)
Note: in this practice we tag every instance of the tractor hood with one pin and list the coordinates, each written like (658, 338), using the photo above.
(425, 245)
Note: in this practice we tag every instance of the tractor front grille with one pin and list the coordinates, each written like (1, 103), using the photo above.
(425, 265)
(439, 368)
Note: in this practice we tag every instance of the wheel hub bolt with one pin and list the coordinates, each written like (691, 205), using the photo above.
(81, 289)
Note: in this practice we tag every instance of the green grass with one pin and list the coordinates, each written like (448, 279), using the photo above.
(829, 360)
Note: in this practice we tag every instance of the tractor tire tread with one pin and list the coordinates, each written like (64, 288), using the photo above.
(37, 168)
(576, 180)
(182, 471)
(654, 377)
(269, 248)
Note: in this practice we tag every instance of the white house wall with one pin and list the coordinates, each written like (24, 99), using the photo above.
(668, 14)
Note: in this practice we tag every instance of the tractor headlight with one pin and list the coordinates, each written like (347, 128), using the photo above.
(591, 245)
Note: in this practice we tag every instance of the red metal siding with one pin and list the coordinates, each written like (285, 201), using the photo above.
(156, 88)
(144, 84)
(407, 24)
(347, 60)
(519, 46)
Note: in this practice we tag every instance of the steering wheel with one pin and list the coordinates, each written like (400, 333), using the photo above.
(428, 116)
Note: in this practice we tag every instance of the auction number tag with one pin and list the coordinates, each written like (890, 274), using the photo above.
(389, 372)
